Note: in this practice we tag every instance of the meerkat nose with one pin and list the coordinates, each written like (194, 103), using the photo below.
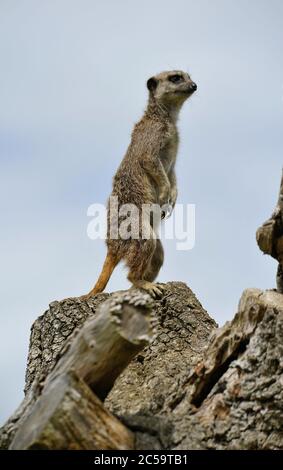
(194, 86)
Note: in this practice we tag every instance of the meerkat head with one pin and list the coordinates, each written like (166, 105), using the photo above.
(172, 88)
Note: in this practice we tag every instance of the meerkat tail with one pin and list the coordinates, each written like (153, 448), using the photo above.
(108, 267)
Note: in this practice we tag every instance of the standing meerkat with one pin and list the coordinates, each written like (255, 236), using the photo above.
(146, 175)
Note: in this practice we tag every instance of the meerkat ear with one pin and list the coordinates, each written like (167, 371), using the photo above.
(151, 84)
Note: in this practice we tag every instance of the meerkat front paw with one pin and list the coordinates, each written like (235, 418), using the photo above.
(276, 213)
(173, 196)
(166, 210)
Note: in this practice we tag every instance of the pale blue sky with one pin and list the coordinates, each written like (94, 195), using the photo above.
(72, 84)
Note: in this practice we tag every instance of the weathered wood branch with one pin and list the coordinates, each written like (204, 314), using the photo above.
(106, 343)
(227, 344)
(95, 355)
(192, 387)
(237, 390)
(68, 416)
(270, 237)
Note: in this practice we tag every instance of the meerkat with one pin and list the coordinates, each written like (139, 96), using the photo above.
(146, 175)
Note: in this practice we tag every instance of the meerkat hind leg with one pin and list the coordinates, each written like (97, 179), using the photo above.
(155, 263)
(139, 261)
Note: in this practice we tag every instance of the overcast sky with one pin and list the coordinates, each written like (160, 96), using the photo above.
(72, 85)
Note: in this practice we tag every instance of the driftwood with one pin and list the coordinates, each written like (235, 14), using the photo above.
(270, 237)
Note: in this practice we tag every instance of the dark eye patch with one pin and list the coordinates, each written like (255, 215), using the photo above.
(176, 78)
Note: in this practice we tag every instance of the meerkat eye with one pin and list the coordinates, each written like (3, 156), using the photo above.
(176, 79)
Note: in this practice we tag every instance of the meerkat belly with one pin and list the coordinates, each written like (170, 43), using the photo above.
(168, 158)
(169, 153)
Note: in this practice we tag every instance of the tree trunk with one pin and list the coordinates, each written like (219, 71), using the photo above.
(232, 399)
(193, 387)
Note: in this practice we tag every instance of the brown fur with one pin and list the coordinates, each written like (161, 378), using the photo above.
(147, 176)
